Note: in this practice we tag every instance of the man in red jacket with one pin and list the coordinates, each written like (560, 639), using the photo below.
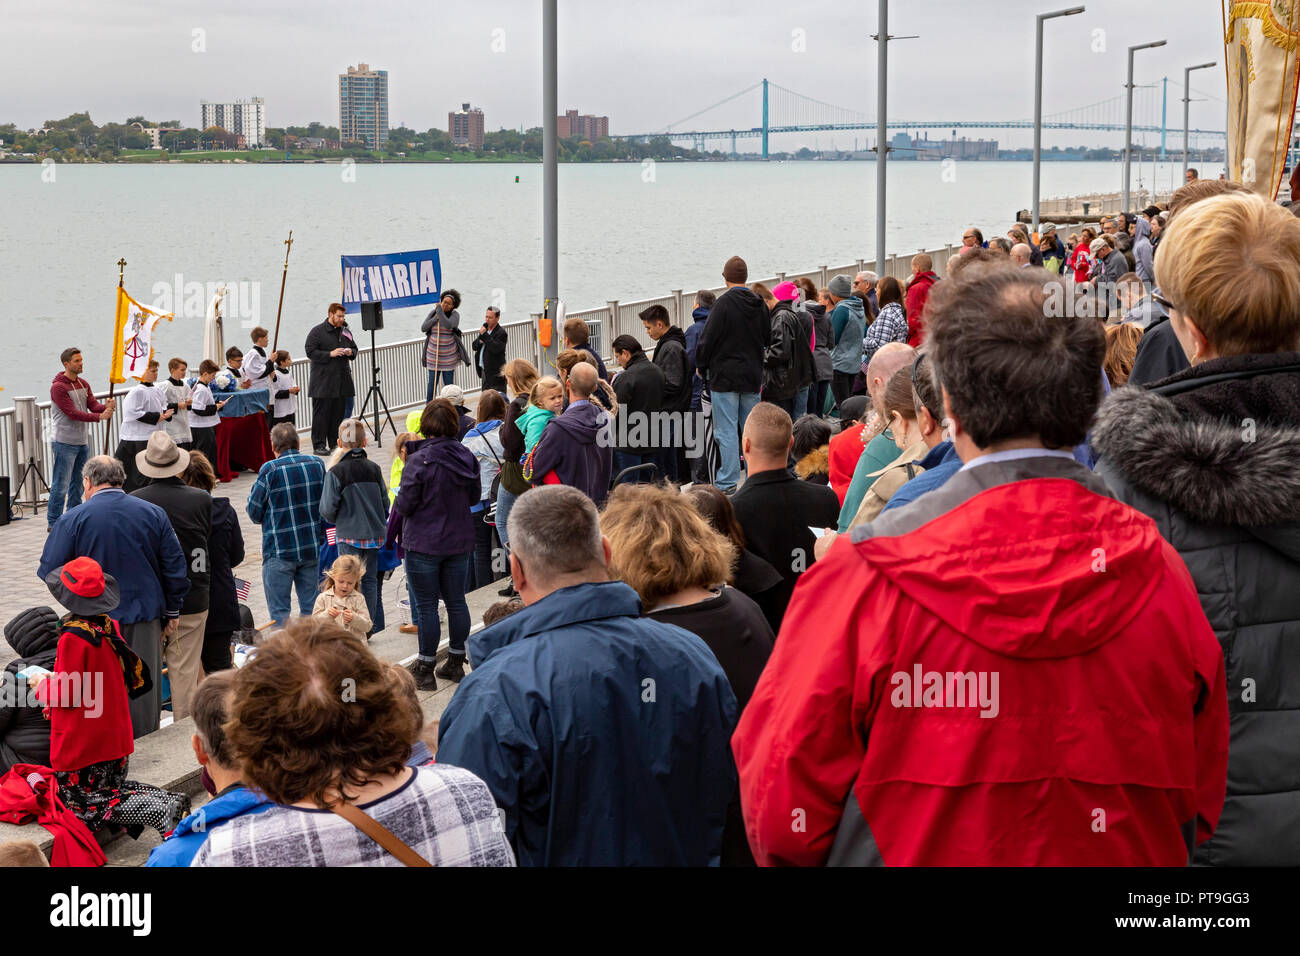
(918, 293)
(1012, 670)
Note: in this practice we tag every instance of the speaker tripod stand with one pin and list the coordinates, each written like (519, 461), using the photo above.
(31, 468)
(376, 395)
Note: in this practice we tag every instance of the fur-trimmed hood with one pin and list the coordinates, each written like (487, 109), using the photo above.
(1218, 471)
(816, 462)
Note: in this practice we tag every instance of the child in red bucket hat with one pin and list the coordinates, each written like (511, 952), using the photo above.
(85, 698)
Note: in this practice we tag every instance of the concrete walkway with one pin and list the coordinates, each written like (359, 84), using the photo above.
(165, 758)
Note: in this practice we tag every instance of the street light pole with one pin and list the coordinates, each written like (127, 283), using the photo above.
(1187, 100)
(1128, 119)
(550, 167)
(1038, 101)
(882, 130)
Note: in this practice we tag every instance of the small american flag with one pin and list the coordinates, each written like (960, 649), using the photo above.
(330, 537)
(242, 589)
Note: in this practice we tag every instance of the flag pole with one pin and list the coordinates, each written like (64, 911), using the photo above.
(288, 244)
(108, 427)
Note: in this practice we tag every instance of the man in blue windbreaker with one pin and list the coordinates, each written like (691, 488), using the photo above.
(602, 734)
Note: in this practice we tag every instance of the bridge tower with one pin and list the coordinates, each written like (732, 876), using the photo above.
(733, 144)
(765, 118)
(1164, 125)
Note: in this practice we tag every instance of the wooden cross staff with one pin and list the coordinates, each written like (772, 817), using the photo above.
(288, 244)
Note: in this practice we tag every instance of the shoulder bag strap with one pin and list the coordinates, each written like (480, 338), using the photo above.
(385, 837)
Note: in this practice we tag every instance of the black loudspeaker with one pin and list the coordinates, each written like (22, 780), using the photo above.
(4, 500)
(372, 316)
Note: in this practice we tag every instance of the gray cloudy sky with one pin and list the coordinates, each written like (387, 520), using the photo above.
(643, 64)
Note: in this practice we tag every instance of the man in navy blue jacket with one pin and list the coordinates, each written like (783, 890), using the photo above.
(578, 445)
(603, 735)
(133, 541)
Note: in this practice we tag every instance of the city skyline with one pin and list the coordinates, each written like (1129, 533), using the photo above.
(646, 78)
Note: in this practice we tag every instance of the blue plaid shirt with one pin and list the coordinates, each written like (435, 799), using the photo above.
(285, 501)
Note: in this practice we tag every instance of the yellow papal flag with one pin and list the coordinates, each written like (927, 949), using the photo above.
(132, 338)
(1260, 40)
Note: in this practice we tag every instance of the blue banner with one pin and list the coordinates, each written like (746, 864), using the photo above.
(398, 279)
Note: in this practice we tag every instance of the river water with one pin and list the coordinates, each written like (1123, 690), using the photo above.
(627, 231)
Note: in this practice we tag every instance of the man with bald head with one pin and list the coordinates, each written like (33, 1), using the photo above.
(577, 447)
(1021, 255)
(775, 509)
(918, 292)
(880, 449)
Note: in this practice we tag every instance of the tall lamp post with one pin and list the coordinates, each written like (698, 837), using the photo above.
(1187, 100)
(550, 171)
(1038, 101)
(1128, 119)
(882, 129)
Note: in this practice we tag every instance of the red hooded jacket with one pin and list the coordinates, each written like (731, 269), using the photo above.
(918, 293)
(1106, 730)
(90, 720)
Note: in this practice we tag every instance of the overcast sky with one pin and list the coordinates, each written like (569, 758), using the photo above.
(643, 64)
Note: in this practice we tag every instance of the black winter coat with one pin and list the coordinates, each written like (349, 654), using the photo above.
(639, 389)
(775, 510)
(24, 731)
(489, 356)
(190, 512)
(730, 353)
(670, 357)
(1213, 455)
(788, 361)
(330, 377)
(226, 552)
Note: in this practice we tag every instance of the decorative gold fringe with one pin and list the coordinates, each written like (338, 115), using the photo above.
(1282, 35)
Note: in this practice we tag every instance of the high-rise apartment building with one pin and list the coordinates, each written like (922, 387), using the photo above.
(466, 127)
(585, 126)
(363, 106)
(246, 118)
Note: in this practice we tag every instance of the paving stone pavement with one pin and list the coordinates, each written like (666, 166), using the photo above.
(21, 544)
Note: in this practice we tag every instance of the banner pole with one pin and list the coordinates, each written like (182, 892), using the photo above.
(288, 244)
(108, 422)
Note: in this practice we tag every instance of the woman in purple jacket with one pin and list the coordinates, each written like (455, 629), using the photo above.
(440, 483)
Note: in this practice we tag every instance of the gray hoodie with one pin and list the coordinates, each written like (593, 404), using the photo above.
(1143, 252)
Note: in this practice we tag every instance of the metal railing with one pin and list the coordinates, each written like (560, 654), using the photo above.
(403, 378)
(1099, 204)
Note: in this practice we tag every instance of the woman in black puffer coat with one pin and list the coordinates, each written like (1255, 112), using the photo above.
(1212, 454)
(24, 731)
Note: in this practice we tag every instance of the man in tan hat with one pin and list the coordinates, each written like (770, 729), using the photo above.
(190, 512)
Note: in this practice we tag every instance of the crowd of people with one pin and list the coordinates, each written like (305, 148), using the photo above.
(988, 569)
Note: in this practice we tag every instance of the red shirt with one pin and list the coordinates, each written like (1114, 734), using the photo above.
(846, 449)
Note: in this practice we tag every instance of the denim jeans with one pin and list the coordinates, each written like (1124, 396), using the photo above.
(371, 587)
(481, 571)
(800, 403)
(730, 409)
(505, 501)
(279, 575)
(65, 482)
(434, 576)
(448, 378)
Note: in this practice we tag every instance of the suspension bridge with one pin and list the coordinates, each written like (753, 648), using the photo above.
(786, 111)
